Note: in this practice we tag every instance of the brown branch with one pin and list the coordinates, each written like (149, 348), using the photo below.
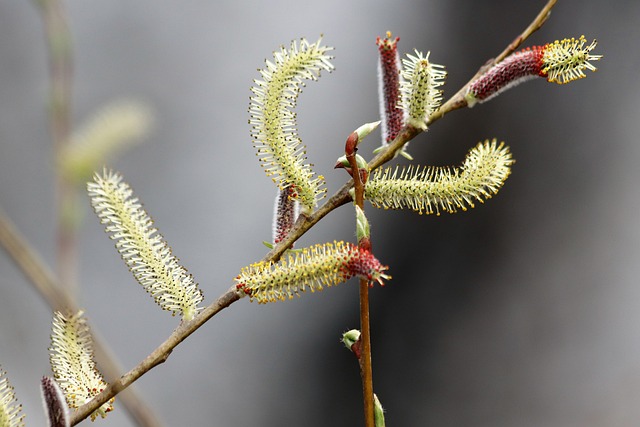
(158, 356)
(366, 370)
(43, 280)
(32, 266)
(304, 223)
(535, 25)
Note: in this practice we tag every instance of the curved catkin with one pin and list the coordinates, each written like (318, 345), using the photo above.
(312, 268)
(113, 129)
(55, 404)
(432, 190)
(273, 124)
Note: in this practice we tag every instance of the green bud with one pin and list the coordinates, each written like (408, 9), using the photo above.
(366, 129)
(342, 162)
(362, 224)
(349, 338)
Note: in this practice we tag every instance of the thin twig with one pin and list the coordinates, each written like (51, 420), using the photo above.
(41, 277)
(158, 356)
(366, 370)
(304, 223)
(535, 25)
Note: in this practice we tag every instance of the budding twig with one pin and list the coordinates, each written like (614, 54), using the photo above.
(339, 198)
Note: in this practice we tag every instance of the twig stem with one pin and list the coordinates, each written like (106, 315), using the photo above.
(158, 356)
(366, 371)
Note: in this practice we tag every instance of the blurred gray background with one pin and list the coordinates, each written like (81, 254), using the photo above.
(521, 312)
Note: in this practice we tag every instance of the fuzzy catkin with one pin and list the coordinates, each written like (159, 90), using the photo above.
(312, 268)
(441, 189)
(272, 120)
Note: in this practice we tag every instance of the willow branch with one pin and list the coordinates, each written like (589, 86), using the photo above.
(158, 356)
(43, 280)
(304, 223)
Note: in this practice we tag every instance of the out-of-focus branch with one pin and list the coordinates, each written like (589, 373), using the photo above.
(59, 44)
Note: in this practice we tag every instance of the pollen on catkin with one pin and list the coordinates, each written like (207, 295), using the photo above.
(419, 87)
(559, 62)
(312, 268)
(272, 120)
(71, 357)
(565, 60)
(10, 410)
(142, 248)
(432, 190)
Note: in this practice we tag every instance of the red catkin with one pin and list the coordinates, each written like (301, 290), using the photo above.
(389, 87)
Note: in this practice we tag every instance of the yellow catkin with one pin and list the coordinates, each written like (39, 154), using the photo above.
(71, 357)
(273, 124)
(310, 269)
(432, 190)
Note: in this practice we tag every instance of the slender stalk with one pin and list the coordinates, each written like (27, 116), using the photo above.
(304, 223)
(366, 371)
(59, 44)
